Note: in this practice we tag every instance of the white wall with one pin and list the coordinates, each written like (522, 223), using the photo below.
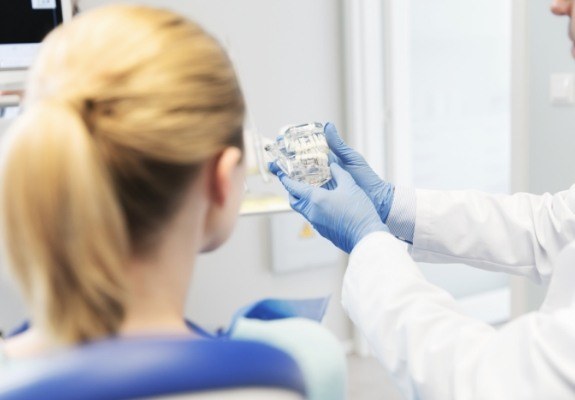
(289, 57)
(551, 128)
(287, 52)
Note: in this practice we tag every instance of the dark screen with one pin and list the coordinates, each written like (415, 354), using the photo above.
(20, 23)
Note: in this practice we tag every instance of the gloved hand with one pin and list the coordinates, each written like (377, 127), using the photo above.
(343, 215)
(379, 191)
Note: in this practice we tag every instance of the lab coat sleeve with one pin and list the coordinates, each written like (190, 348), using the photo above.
(519, 234)
(401, 219)
(433, 351)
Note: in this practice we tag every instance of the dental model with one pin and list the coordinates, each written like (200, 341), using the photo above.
(302, 153)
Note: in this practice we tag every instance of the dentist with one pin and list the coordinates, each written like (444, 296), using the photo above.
(416, 329)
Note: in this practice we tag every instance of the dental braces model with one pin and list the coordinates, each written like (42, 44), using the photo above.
(302, 153)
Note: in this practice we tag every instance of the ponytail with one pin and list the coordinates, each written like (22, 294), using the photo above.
(113, 134)
(64, 232)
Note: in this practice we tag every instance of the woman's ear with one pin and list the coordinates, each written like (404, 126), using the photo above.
(224, 174)
(225, 180)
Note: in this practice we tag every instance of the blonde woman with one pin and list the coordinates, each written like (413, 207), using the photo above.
(126, 163)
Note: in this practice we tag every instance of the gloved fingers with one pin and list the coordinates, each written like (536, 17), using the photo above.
(299, 204)
(296, 189)
(294, 202)
(341, 176)
(332, 158)
(274, 168)
(338, 146)
(330, 185)
(334, 141)
(346, 154)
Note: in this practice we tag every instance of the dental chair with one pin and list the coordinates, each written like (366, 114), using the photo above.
(273, 349)
(157, 368)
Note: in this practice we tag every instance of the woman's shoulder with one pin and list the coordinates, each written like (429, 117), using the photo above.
(318, 352)
(24, 345)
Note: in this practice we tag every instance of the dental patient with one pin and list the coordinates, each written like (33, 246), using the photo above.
(127, 162)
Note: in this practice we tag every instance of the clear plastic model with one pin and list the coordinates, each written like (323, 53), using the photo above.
(302, 153)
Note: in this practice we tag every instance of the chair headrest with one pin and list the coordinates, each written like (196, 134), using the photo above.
(132, 368)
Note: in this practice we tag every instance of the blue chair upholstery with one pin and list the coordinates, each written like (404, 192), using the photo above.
(148, 367)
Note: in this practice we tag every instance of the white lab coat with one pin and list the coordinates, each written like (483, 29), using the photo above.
(417, 329)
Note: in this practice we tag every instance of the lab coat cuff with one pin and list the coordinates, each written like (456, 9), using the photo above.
(401, 219)
(381, 243)
(368, 241)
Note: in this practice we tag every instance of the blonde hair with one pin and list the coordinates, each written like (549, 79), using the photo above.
(123, 106)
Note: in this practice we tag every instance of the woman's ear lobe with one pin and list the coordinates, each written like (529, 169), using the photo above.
(224, 167)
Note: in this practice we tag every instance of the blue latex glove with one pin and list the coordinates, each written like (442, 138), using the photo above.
(379, 191)
(341, 213)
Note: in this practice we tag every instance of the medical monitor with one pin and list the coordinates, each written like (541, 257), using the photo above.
(24, 24)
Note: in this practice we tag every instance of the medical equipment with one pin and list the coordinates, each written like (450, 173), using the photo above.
(302, 153)
(24, 24)
(160, 368)
(273, 349)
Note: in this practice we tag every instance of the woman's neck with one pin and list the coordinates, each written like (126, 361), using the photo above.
(157, 295)
(157, 289)
(158, 283)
